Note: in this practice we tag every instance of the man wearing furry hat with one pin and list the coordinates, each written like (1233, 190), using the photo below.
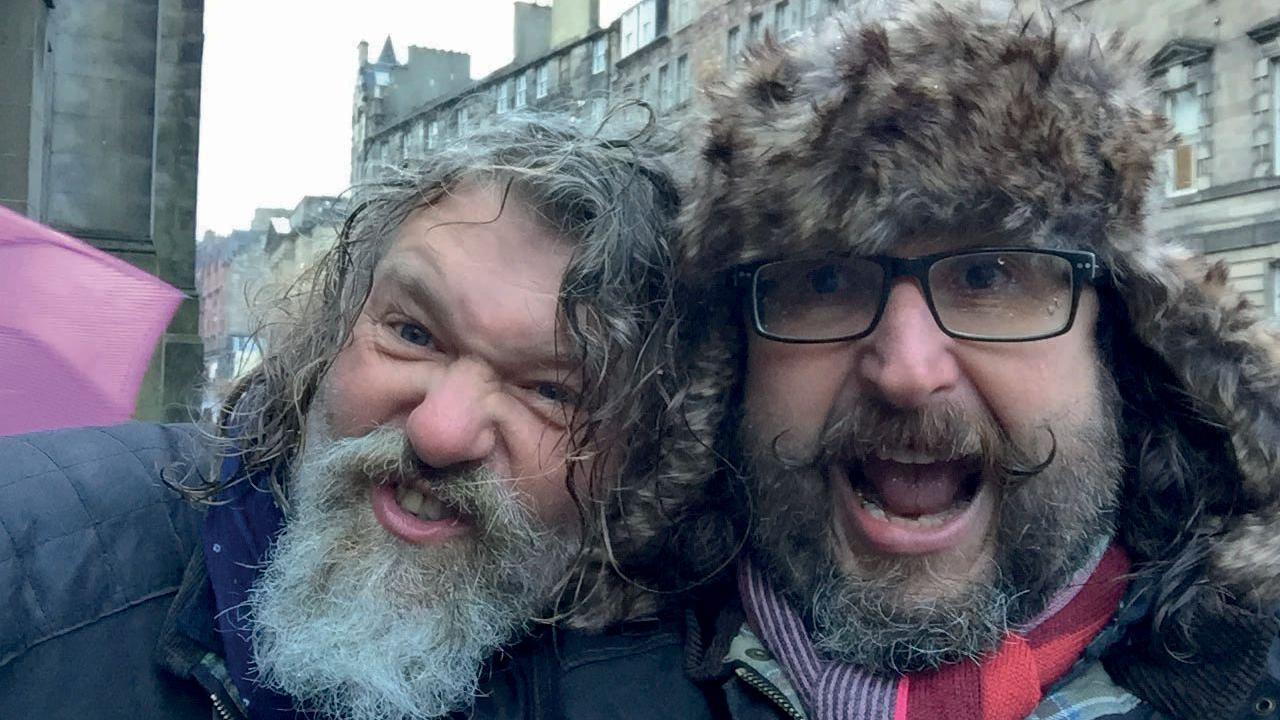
(996, 450)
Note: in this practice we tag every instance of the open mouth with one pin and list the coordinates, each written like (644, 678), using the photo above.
(413, 512)
(909, 501)
(912, 487)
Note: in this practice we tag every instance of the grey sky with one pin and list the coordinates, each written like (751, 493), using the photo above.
(275, 117)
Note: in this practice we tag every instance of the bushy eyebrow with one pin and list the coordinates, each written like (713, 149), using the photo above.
(398, 277)
(552, 356)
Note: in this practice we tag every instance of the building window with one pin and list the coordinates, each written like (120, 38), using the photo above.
(1275, 117)
(782, 19)
(644, 88)
(1271, 289)
(544, 80)
(522, 90)
(433, 134)
(811, 8)
(1182, 106)
(682, 79)
(664, 87)
(755, 26)
(503, 102)
(464, 124)
(595, 110)
(637, 26)
(733, 46)
(402, 142)
(681, 13)
(599, 55)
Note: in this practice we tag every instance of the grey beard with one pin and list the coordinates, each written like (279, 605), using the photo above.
(1047, 526)
(354, 623)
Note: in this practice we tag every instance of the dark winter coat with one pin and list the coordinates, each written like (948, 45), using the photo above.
(106, 610)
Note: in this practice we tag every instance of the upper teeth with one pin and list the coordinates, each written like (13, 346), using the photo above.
(911, 457)
(425, 506)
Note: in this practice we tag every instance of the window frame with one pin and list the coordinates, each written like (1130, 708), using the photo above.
(664, 86)
(1275, 116)
(682, 81)
(733, 46)
(542, 80)
(522, 91)
(1192, 143)
(599, 56)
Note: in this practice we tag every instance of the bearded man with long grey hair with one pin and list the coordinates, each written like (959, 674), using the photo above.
(425, 461)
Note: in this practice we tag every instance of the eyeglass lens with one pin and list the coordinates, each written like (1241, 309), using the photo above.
(998, 295)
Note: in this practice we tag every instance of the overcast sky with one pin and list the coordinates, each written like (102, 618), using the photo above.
(275, 107)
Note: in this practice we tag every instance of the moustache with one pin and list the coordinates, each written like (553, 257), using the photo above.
(385, 456)
(943, 430)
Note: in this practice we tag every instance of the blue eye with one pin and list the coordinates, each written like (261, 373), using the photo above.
(556, 393)
(414, 334)
(827, 279)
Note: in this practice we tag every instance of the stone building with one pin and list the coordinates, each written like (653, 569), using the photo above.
(387, 90)
(1217, 68)
(570, 76)
(657, 50)
(99, 129)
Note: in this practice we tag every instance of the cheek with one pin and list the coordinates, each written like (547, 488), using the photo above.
(792, 389)
(359, 394)
(537, 463)
(1056, 382)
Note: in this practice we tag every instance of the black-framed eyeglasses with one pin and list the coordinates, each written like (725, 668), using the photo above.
(1002, 294)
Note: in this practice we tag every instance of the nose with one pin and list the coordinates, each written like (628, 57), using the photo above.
(454, 423)
(907, 359)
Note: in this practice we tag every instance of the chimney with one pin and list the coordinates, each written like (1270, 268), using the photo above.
(532, 31)
(573, 19)
(363, 49)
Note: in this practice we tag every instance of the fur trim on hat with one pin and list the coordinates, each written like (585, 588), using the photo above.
(976, 117)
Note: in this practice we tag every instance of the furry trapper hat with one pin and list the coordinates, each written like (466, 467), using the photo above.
(980, 116)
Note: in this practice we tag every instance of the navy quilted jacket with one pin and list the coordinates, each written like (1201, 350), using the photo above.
(92, 551)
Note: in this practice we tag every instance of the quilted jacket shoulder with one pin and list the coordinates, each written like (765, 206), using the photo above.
(87, 527)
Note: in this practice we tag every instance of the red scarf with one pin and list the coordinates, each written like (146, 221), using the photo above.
(1008, 685)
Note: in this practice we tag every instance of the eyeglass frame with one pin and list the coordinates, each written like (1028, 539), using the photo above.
(1084, 269)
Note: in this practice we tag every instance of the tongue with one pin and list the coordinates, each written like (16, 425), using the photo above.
(910, 490)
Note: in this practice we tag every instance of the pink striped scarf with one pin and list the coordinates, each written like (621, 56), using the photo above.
(832, 690)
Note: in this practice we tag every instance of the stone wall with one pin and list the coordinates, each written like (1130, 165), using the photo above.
(110, 147)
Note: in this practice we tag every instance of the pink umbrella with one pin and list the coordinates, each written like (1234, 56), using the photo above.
(77, 329)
